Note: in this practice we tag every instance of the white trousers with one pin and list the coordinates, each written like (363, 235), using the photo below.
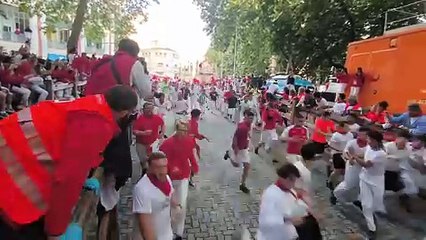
(268, 137)
(409, 180)
(180, 196)
(213, 105)
(348, 190)
(372, 201)
(194, 103)
(25, 92)
(354, 91)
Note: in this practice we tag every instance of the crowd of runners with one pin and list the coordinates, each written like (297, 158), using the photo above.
(363, 161)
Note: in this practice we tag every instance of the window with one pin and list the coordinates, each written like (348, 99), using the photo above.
(160, 64)
(22, 21)
(98, 45)
(7, 33)
(64, 35)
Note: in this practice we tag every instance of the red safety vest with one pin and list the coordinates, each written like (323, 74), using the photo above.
(30, 144)
(109, 72)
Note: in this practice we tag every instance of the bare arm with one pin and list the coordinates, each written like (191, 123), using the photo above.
(146, 226)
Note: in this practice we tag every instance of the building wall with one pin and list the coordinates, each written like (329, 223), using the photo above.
(161, 61)
(43, 43)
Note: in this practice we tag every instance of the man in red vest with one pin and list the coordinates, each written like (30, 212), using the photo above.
(46, 152)
(123, 68)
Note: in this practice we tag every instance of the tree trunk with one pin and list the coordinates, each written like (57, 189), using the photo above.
(77, 25)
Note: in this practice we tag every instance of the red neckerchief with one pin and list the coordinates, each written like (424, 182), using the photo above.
(343, 132)
(284, 189)
(361, 143)
(164, 187)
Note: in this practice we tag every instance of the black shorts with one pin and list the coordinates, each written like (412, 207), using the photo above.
(393, 181)
(338, 161)
(319, 147)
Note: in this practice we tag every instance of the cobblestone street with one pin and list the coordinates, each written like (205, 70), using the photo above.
(218, 210)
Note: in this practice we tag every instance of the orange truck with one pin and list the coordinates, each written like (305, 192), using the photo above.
(394, 66)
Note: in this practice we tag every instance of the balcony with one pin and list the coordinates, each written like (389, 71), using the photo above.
(12, 37)
(56, 44)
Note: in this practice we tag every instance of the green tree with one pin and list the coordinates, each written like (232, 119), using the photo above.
(96, 16)
(308, 36)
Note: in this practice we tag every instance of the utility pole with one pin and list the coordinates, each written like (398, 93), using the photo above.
(235, 49)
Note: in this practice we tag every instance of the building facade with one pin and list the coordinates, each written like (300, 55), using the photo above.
(17, 27)
(161, 61)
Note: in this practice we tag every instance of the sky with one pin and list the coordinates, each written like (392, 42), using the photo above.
(175, 24)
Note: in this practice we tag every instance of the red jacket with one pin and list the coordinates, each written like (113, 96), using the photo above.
(102, 77)
(271, 117)
(82, 65)
(180, 156)
(10, 77)
(294, 147)
(55, 145)
(193, 129)
(63, 75)
(25, 68)
(241, 136)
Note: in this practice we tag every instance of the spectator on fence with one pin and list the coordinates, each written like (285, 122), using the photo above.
(340, 105)
(26, 69)
(82, 65)
(321, 102)
(413, 120)
(16, 82)
(352, 105)
(377, 113)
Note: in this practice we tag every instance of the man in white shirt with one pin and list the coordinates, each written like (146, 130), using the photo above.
(337, 143)
(410, 167)
(273, 88)
(397, 151)
(372, 180)
(321, 102)
(340, 105)
(181, 108)
(283, 215)
(348, 190)
(152, 201)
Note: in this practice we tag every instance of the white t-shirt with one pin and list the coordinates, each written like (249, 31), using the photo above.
(339, 141)
(375, 174)
(322, 103)
(276, 206)
(354, 127)
(162, 108)
(352, 171)
(339, 108)
(181, 105)
(396, 156)
(272, 88)
(148, 199)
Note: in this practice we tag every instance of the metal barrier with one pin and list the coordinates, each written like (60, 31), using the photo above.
(85, 215)
(405, 16)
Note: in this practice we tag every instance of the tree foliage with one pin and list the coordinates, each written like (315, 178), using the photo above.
(96, 16)
(307, 35)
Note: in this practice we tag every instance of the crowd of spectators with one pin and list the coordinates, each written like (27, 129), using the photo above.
(25, 78)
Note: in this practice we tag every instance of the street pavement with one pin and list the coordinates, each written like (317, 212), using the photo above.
(218, 210)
